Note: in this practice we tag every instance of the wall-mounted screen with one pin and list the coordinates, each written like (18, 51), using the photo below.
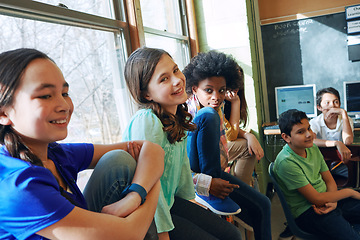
(352, 98)
(301, 97)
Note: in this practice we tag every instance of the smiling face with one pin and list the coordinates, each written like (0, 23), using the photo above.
(41, 109)
(167, 85)
(211, 91)
(301, 137)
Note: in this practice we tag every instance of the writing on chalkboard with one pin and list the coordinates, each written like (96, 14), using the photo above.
(318, 56)
(291, 28)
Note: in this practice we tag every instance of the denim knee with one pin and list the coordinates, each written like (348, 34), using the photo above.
(117, 158)
(116, 167)
(114, 171)
(203, 144)
(207, 115)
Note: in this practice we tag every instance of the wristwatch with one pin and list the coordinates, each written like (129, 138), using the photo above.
(135, 188)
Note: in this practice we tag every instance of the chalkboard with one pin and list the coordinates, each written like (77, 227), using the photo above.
(307, 51)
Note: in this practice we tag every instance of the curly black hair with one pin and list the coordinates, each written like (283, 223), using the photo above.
(210, 64)
(217, 64)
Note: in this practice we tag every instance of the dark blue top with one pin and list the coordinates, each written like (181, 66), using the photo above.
(30, 196)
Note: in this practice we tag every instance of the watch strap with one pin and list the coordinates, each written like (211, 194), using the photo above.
(135, 188)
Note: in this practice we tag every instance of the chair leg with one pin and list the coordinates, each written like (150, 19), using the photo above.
(248, 230)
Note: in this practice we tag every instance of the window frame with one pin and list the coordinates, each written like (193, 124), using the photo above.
(127, 20)
(38, 11)
(53, 14)
(126, 26)
(188, 22)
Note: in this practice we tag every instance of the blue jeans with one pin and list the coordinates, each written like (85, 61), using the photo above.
(114, 171)
(203, 144)
(343, 223)
(204, 155)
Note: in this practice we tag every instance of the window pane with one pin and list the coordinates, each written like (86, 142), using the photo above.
(95, 7)
(86, 58)
(176, 48)
(162, 15)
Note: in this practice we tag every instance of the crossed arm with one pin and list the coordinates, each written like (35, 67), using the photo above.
(347, 134)
(84, 224)
(326, 201)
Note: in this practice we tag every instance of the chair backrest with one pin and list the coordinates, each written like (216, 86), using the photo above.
(289, 217)
(331, 154)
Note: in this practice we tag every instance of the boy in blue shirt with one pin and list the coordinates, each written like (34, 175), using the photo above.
(310, 190)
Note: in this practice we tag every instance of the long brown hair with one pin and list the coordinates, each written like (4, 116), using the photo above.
(12, 67)
(139, 69)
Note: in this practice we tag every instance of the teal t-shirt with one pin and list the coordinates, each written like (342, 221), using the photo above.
(293, 172)
(176, 179)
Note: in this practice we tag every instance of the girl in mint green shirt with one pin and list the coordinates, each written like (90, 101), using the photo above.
(158, 86)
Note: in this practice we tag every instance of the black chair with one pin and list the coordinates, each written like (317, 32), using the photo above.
(289, 217)
(331, 154)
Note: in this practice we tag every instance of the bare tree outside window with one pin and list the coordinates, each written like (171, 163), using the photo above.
(86, 58)
(164, 27)
(95, 7)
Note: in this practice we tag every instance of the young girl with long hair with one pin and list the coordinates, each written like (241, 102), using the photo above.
(158, 86)
(39, 196)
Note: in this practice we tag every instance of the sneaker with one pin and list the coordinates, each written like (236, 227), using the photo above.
(286, 234)
(217, 205)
